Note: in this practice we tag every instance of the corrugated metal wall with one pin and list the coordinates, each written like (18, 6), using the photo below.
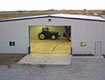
(82, 31)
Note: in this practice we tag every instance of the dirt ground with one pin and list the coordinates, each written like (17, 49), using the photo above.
(9, 59)
(14, 14)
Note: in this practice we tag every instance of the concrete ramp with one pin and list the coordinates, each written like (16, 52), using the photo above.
(46, 59)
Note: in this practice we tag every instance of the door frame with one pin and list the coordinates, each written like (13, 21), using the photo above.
(100, 48)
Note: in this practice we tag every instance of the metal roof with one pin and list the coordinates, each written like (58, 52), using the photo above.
(79, 16)
(65, 16)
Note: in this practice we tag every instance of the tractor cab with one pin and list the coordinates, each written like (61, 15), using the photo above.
(45, 29)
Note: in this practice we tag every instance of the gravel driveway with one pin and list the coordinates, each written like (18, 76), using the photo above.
(80, 69)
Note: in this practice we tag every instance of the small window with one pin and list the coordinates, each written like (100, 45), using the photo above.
(83, 44)
(11, 43)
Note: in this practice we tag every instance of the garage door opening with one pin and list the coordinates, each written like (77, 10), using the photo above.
(49, 45)
(50, 40)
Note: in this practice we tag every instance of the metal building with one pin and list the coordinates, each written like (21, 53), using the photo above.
(87, 33)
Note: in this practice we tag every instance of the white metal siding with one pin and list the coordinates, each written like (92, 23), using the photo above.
(82, 31)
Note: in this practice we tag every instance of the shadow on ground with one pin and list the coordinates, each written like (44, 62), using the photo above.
(9, 59)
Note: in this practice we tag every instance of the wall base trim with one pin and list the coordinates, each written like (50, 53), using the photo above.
(82, 55)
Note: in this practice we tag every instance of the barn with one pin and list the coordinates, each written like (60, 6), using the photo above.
(87, 33)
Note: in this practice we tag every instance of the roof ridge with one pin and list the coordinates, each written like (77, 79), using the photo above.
(66, 16)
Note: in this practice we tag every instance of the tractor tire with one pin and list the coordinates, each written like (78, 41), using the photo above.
(69, 39)
(53, 37)
(41, 36)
